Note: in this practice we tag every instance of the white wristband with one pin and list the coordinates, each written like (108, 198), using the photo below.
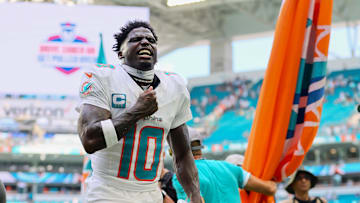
(109, 132)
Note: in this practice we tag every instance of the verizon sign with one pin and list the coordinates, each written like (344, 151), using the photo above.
(33, 109)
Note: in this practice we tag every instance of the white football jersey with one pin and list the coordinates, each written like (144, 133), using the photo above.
(135, 161)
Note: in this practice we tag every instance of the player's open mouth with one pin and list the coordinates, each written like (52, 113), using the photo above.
(144, 53)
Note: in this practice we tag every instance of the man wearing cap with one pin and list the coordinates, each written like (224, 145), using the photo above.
(299, 185)
(220, 180)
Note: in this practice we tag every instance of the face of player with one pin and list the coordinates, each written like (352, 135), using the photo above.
(302, 182)
(139, 50)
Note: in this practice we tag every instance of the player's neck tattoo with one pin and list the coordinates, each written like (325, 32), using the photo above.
(140, 75)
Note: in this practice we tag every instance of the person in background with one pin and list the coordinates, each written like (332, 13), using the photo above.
(167, 189)
(2, 193)
(219, 180)
(299, 185)
(238, 159)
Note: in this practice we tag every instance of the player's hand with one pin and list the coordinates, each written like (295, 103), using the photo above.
(146, 104)
(273, 185)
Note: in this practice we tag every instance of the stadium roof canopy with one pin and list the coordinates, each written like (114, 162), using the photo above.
(181, 26)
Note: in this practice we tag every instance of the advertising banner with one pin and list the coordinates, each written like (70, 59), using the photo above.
(45, 47)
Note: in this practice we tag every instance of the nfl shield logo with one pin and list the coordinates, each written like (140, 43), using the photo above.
(118, 100)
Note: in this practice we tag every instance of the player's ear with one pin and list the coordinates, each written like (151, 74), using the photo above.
(120, 55)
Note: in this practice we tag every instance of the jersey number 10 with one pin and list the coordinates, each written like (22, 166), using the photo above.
(148, 153)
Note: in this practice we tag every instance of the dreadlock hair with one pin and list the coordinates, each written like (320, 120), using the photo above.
(124, 31)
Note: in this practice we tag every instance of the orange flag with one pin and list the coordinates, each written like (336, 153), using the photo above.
(290, 103)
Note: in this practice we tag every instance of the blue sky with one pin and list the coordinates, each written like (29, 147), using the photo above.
(248, 55)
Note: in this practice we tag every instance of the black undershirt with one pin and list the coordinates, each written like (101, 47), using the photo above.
(154, 84)
(306, 201)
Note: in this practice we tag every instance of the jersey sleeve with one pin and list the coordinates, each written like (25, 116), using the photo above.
(240, 174)
(93, 90)
(183, 112)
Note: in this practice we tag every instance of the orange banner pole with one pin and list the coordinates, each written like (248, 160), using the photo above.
(276, 102)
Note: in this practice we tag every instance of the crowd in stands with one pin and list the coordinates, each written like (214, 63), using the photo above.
(237, 94)
(346, 87)
(339, 117)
